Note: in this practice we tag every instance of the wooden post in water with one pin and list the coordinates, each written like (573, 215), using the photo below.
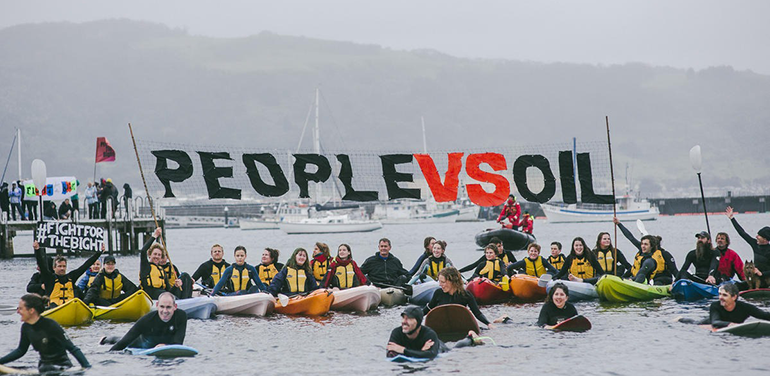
(614, 209)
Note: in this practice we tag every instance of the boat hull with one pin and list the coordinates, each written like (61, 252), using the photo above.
(614, 289)
(253, 224)
(526, 288)
(687, 290)
(131, 308)
(556, 214)
(512, 240)
(390, 297)
(328, 228)
(260, 304)
(487, 292)
(358, 299)
(316, 303)
(72, 313)
(577, 290)
(423, 292)
(201, 308)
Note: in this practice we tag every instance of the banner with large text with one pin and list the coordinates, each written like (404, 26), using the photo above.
(536, 173)
(68, 235)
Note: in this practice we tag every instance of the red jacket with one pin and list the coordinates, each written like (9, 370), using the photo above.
(730, 264)
(527, 224)
(337, 262)
(511, 213)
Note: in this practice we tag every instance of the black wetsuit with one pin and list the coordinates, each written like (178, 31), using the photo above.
(49, 278)
(483, 259)
(35, 284)
(703, 267)
(151, 331)
(663, 278)
(413, 347)
(761, 252)
(49, 339)
(462, 298)
(564, 272)
(551, 315)
(721, 318)
(204, 272)
(417, 264)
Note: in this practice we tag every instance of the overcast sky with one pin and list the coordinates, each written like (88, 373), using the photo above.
(684, 34)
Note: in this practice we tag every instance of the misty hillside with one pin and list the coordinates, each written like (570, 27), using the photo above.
(65, 84)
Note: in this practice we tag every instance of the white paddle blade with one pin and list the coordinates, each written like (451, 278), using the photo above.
(283, 299)
(695, 158)
(38, 174)
(640, 226)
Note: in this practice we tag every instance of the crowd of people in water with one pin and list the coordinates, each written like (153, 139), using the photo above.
(102, 283)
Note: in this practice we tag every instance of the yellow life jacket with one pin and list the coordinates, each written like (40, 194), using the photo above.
(170, 273)
(319, 268)
(240, 279)
(90, 280)
(345, 276)
(435, 267)
(504, 258)
(534, 268)
(657, 255)
(295, 279)
(557, 261)
(62, 292)
(111, 287)
(216, 272)
(156, 278)
(582, 268)
(606, 260)
(492, 270)
(267, 273)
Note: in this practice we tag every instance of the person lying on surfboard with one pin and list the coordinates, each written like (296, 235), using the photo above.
(556, 307)
(729, 311)
(165, 326)
(46, 336)
(414, 340)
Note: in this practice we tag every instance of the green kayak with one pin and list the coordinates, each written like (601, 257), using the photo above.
(614, 289)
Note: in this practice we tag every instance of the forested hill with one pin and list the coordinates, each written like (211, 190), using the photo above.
(65, 84)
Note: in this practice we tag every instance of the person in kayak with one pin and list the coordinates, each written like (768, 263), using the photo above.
(729, 311)
(110, 286)
(452, 291)
(181, 283)
(321, 259)
(296, 277)
(384, 269)
(730, 264)
(165, 326)
(510, 215)
(35, 284)
(492, 269)
(269, 266)
(581, 264)
(240, 277)
(427, 245)
(556, 307)
(760, 245)
(343, 271)
(60, 285)
(433, 264)
(665, 267)
(647, 262)
(534, 264)
(211, 271)
(504, 255)
(88, 278)
(46, 336)
(611, 259)
(703, 257)
(556, 259)
(152, 277)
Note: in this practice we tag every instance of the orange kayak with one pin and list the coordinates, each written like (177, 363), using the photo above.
(487, 292)
(316, 303)
(525, 287)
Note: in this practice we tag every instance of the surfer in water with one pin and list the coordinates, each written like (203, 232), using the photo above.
(414, 340)
(556, 307)
(166, 326)
(729, 311)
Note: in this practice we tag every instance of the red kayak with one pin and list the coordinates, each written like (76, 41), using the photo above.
(525, 288)
(755, 294)
(487, 292)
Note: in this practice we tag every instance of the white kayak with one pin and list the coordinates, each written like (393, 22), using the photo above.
(360, 299)
(201, 307)
(259, 304)
(577, 290)
(392, 297)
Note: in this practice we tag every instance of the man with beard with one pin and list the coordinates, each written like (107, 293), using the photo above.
(730, 263)
(703, 257)
(412, 339)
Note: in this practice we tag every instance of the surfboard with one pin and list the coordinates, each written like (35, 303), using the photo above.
(573, 324)
(15, 371)
(168, 351)
(749, 329)
(451, 322)
(407, 359)
(755, 294)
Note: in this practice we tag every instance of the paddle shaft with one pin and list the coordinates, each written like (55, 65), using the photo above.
(703, 198)
(614, 211)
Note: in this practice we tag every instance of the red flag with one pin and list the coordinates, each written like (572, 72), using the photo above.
(104, 151)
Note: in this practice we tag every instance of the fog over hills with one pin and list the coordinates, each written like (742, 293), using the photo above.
(65, 84)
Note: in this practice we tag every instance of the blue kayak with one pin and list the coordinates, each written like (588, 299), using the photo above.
(422, 293)
(168, 351)
(687, 290)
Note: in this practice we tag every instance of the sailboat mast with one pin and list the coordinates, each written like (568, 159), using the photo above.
(18, 147)
(424, 143)
(317, 142)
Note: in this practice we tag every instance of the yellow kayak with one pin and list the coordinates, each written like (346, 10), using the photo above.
(131, 308)
(72, 313)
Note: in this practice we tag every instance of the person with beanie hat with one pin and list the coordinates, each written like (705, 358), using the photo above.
(759, 244)
(412, 339)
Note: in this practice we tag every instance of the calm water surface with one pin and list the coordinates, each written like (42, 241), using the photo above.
(627, 339)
